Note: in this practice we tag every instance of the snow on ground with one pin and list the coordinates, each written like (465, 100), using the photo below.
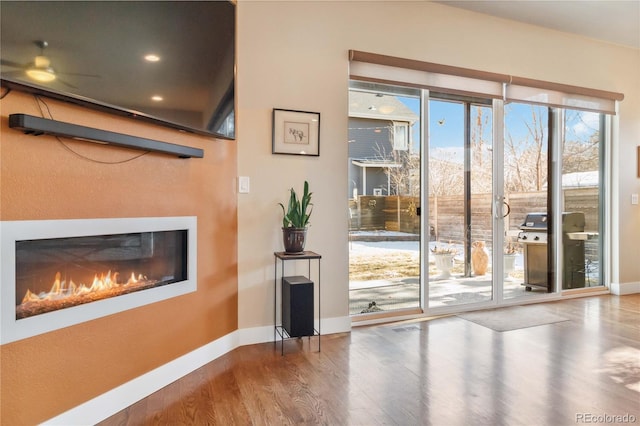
(382, 247)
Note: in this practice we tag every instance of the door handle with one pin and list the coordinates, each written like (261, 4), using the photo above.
(499, 209)
(508, 209)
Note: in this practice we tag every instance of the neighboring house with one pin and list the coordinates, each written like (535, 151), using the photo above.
(380, 129)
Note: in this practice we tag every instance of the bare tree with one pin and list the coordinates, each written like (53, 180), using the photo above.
(581, 150)
(446, 175)
(404, 178)
(398, 175)
(481, 165)
(526, 158)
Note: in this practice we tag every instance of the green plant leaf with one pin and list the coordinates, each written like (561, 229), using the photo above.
(298, 211)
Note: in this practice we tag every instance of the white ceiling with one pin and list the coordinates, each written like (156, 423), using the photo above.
(614, 21)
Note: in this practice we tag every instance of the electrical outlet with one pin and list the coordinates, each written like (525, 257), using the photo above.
(243, 184)
(634, 198)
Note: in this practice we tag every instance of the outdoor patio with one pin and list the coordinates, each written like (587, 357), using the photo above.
(403, 292)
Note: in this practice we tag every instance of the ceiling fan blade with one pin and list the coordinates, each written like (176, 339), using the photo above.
(79, 74)
(8, 63)
(12, 74)
(69, 85)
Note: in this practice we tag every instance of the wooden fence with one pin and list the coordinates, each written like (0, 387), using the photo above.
(399, 213)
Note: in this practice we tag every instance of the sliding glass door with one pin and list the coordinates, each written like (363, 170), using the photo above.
(460, 176)
(581, 198)
(384, 193)
(491, 193)
(457, 203)
(526, 183)
(534, 226)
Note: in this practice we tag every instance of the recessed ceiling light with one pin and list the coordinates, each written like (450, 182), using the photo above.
(151, 58)
(157, 98)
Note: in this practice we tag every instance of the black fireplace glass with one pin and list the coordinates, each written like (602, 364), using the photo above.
(58, 273)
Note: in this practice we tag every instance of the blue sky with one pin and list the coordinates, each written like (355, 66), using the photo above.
(446, 125)
(447, 121)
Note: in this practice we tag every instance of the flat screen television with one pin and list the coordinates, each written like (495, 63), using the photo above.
(167, 62)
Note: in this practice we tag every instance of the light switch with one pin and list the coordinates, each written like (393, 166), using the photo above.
(243, 184)
(634, 198)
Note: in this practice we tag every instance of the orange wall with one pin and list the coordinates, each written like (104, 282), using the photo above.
(48, 374)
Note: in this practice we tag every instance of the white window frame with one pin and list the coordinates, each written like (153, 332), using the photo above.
(400, 142)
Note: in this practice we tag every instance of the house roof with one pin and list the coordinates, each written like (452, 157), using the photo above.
(379, 106)
(375, 163)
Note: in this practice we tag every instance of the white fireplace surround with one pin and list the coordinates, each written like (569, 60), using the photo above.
(11, 231)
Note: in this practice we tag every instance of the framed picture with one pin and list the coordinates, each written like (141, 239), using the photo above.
(296, 132)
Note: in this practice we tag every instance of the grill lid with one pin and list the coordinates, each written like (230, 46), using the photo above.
(571, 222)
(535, 222)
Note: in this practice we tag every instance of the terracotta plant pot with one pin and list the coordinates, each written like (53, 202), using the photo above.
(479, 258)
(294, 239)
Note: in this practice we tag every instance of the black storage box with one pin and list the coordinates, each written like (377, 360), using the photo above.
(297, 306)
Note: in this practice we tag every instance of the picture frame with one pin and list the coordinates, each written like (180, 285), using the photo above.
(296, 132)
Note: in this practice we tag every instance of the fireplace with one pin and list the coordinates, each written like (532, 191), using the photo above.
(63, 272)
(59, 273)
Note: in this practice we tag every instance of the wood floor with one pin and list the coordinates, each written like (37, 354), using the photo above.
(446, 371)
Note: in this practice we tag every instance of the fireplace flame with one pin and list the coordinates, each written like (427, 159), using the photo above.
(59, 289)
(63, 294)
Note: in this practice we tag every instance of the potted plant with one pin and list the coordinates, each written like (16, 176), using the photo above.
(444, 260)
(510, 253)
(296, 219)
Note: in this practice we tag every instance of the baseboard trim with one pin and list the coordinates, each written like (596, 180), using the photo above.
(620, 289)
(119, 398)
(336, 325)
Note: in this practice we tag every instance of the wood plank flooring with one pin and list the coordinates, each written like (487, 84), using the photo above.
(445, 371)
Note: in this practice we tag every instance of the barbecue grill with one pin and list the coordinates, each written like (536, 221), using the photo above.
(534, 237)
